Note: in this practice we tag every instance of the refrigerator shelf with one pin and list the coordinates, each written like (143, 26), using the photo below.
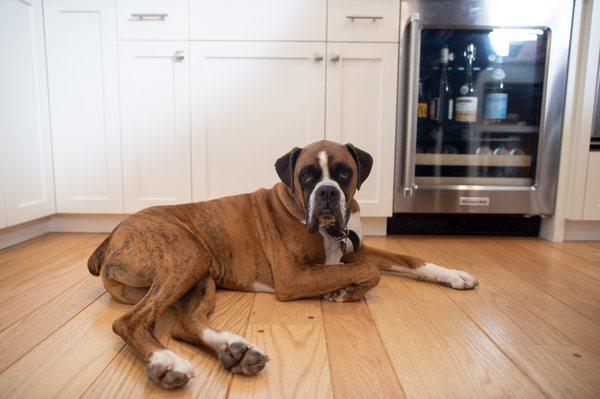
(473, 160)
(473, 181)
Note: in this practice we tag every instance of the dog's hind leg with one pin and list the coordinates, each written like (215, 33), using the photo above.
(233, 351)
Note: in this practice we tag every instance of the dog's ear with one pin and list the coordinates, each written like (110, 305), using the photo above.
(285, 167)
(364, 163)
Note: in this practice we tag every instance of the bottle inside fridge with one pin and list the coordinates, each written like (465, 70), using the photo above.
(483, 106)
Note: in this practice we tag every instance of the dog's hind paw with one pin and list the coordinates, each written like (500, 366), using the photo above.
(242, 358)
(169, 370)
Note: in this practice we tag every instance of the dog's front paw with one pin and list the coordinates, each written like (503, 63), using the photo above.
(340, 295)
(460, 280)
(169, 370)
(242, 358)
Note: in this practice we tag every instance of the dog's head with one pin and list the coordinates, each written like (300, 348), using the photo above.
(323, 178)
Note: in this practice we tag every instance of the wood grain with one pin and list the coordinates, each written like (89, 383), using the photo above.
(360, 366)
(23, 335)
(293, 337)
(70, 359)
(553, 345)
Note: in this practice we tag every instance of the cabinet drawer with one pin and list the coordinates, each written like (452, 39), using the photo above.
(299, 20)
(363, 20)
(591, 205)
(152, 19)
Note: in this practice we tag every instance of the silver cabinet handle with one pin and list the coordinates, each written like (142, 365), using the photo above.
(410, 116)
(319, 57)
(334, 57)
(178, 56)
(373, 18)
(149, 15)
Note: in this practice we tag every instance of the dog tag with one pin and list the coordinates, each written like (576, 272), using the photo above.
(343, 245)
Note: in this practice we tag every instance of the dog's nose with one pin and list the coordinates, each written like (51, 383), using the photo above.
(327, 193)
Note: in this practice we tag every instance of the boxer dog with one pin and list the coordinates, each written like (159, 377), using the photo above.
(300, 239)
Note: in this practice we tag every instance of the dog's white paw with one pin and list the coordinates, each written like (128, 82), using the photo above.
(242, 358)
(460, 280)
(169, 370)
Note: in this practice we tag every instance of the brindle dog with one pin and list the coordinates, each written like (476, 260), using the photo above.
(299, 239)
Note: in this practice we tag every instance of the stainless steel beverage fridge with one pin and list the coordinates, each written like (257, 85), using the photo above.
(481, 97)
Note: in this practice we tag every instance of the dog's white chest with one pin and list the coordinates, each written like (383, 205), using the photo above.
(333, 252)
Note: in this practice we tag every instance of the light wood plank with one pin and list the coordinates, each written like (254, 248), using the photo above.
(555, 346)
(360, 366)
(298, 368)
(22, 336)
(68, 361)
(293, 337)
(126, 374)
(25, 292)
(436, 351)
(589, 251)
(43, 252)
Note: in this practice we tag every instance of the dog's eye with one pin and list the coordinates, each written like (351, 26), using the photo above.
(306, 177)
(343, 175)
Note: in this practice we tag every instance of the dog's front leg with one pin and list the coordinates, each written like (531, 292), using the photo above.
(412, 267)
(341, 282)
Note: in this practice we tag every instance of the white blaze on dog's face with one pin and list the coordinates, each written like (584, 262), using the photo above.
(323, 178)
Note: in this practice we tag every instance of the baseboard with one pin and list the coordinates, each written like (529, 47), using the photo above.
(582, 230)
(374, 226)
(100, 223)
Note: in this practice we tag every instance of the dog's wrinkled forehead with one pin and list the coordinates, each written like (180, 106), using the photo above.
(323, 156)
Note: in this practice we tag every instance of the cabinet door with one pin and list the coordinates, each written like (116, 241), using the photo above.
(155, 123)
(84, 104)
(300, 20)
(252, 103)
(591, 205)
(361, 109)
(24, 119)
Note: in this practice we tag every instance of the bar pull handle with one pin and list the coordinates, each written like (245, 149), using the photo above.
(373, 18)
(144, 16)
(410, 115)
(179, 56)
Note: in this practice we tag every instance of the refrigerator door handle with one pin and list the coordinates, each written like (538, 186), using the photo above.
(410, 117)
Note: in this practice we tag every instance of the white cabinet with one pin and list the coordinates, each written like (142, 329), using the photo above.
(363, 20)
(152, 19)
(84, 104)
(361, 109)
(25, 147)
(155, 123)
(591, 204)
(300, 20)
(252, 103)
(3, 216)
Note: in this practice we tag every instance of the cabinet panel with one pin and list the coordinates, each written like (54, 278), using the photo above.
(24, 119)
(363, 20)
(301, 20)
(252, 103)
(152, 19)
(84, 103)
(361, 109)
(155, 127)
(591, 206)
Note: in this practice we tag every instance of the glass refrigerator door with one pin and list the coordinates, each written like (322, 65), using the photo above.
(479, 106)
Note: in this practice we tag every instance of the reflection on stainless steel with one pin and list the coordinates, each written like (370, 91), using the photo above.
(526, 144)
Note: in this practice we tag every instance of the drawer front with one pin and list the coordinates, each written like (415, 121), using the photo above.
(298, 20)
(363, 20)
(152, 19)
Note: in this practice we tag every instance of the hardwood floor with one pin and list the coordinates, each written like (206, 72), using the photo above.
(530, 329)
